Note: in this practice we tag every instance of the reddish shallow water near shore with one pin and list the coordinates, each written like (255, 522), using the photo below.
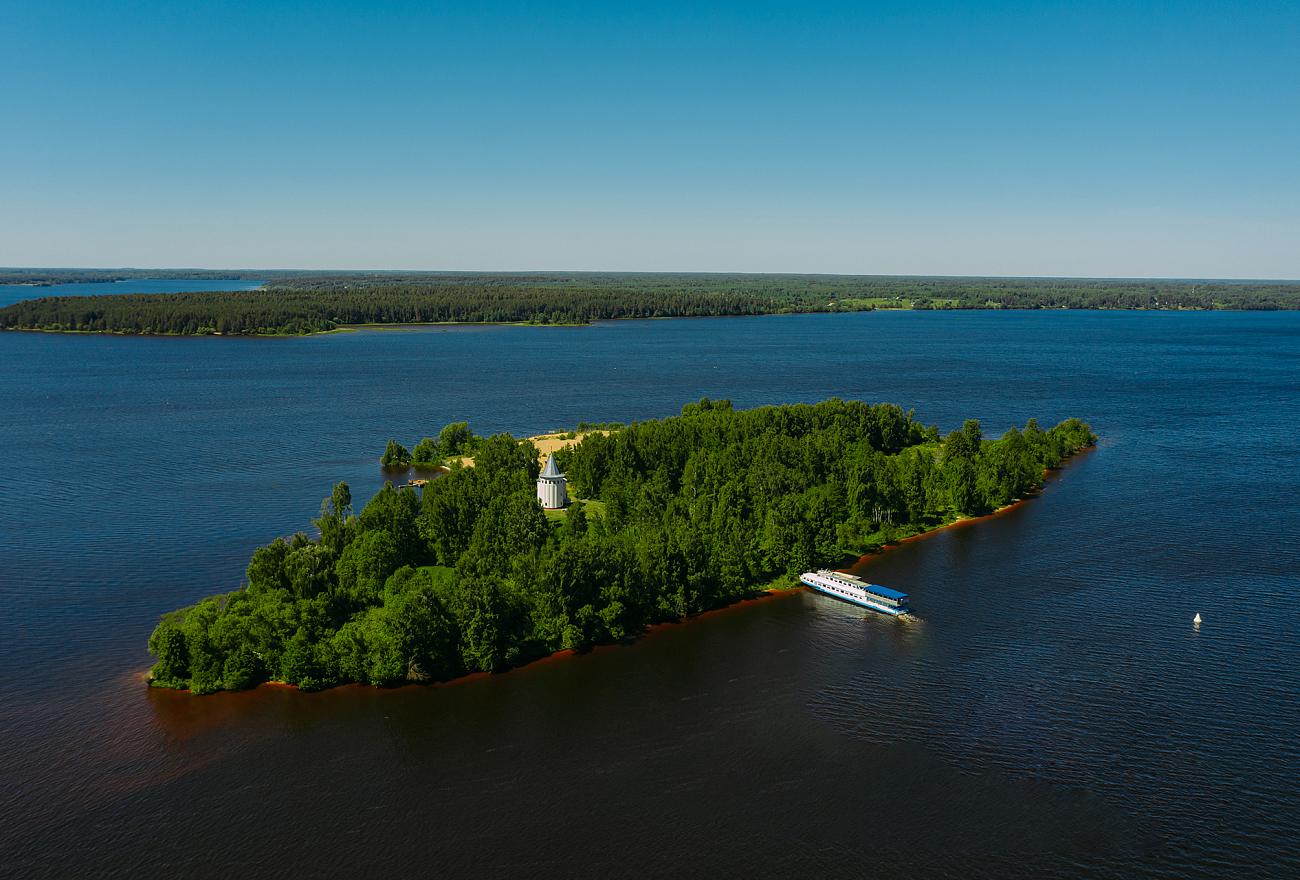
(1050, 710)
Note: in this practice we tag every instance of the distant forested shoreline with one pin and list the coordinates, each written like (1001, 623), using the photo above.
(321, 302)
(855, 292)
(298, 312)
(682, 515)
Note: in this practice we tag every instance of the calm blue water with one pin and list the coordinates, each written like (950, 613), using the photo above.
(14, 293)
(1054, 713)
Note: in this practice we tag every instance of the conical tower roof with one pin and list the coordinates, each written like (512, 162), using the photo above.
(551, 470)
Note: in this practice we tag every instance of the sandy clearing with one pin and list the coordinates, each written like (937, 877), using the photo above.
(548, 443)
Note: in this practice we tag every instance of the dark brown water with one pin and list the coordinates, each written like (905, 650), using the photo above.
(1051, 712)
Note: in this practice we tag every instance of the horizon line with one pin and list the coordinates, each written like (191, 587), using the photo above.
(525, 272)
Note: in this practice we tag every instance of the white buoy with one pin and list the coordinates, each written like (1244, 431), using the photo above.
(1196, 619)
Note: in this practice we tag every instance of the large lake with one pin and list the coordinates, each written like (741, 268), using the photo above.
(1053, 712)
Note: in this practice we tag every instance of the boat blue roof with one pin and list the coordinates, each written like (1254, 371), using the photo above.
(871, 588)
(884, 591)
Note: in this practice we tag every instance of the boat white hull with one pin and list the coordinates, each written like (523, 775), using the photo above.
(848, 594)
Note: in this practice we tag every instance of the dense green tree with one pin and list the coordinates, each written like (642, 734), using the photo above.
(309, 568)
(426, 453)
(395, 455)
(266, 570)
(366, 564)
(481, 610)
(168, 645)
(206, 660)
(243, 669)
(959, 465)
(333, 524)
(396, 511)
(454, 439)
(300, 663)
(501, 452)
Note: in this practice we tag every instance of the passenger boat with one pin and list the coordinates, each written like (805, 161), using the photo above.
(852, 588)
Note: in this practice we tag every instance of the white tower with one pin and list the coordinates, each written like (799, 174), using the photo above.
(552, 488)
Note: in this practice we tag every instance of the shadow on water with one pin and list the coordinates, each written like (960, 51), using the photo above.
(701, 735)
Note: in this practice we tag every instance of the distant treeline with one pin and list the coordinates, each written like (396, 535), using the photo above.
(50, 277)
(696, 511)
(852, 291)
(318, 302)
(1162, 295)
(283, 311)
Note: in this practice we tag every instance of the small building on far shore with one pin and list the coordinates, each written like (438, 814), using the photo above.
(552, 488)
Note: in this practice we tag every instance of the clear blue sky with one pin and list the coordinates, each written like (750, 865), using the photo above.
(1105, 139)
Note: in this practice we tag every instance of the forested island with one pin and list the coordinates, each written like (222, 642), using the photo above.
(304, 303)
(685, 514)
(284, 312)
